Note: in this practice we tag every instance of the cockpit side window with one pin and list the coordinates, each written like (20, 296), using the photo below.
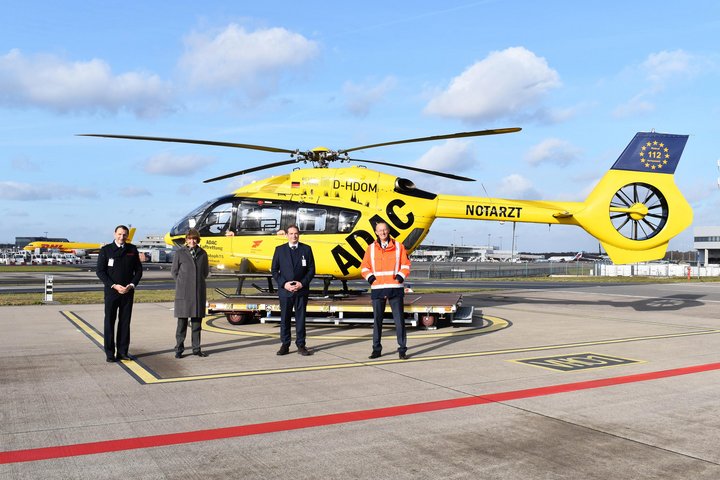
(217, 221)
(347, 220)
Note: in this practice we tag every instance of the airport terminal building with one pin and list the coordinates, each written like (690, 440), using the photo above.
(706, 240)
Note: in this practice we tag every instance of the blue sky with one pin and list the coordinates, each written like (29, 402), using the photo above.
(580, 78)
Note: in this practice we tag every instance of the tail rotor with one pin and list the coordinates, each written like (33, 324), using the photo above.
(638, 211)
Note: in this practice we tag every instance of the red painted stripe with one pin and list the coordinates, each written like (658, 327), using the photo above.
(34, 454)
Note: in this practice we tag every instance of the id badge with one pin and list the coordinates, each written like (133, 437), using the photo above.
(111, 262)
(304, 262)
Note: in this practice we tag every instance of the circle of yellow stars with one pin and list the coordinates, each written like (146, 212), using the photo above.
(654, 146)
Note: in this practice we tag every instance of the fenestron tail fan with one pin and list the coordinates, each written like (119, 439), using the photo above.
(634, 210)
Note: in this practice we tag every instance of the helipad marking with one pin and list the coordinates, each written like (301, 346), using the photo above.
(152, 441)
(145, 375)
(575, 362)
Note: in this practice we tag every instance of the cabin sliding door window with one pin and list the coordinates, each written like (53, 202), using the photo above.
(257, 217)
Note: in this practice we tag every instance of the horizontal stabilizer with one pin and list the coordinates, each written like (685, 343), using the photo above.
(621, 256)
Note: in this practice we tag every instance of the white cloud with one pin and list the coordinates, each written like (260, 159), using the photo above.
(135, 192)
(659, 70)
(360, 98)
(253, 61)
(553, 150)
(518, 187)
(49, 191)
(23, 163)
(665, 65)
(505, 83)
(16, 213)
(175, 165)
(635, 106)
(453, 155)
(48, 82)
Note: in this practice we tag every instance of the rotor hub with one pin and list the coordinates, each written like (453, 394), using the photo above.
(638, 211)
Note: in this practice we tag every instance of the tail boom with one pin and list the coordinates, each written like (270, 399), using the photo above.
(634, 211)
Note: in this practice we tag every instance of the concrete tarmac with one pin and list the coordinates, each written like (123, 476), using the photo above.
(592, 382)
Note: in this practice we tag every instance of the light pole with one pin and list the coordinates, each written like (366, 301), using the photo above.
(512, 248)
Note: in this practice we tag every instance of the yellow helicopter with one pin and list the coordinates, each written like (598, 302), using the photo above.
(634, 210)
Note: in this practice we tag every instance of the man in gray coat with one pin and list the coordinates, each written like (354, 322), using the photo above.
(190, 269)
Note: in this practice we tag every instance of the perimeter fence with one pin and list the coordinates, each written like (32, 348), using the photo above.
(458, 270)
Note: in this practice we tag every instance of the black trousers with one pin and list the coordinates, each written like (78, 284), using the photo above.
(118, 308)
(396, 305)
(181, 332)
(298, 303)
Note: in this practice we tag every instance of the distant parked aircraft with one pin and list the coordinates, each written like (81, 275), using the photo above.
(78, 248)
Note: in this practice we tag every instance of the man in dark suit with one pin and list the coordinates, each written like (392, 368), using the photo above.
(120, 270)
(293, 267)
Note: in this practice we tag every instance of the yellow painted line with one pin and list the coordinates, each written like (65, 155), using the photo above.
(84, 327)
(145, 376)
(571, 345)
(496, 323)
(134, 367)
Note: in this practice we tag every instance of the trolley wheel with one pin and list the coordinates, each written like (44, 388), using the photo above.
(429, 320)
(237, 318)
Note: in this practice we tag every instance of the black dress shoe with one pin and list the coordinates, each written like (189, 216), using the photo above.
(125, 357)
(200, 354)
(110, 360)
(375, 354)
(402, 356)
(304, 351)
(284, 350)
(179, 355)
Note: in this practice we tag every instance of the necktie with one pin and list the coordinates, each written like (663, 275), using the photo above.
(294, 247)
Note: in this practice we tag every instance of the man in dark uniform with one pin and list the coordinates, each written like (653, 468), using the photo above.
(293, 267)
(120, 270)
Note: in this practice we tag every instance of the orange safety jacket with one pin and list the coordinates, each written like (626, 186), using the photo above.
(385, 264)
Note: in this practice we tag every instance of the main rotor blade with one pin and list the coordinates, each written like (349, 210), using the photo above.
(187, 140)
(250, 170)
(497, 131)
(421, 170)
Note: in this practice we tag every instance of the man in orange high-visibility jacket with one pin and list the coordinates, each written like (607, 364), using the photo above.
(386, 266)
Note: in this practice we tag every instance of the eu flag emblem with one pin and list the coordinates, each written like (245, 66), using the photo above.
(652, 152)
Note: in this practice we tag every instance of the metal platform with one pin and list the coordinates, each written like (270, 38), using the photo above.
(421, 309)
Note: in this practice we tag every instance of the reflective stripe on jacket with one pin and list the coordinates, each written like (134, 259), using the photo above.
(385, 264)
